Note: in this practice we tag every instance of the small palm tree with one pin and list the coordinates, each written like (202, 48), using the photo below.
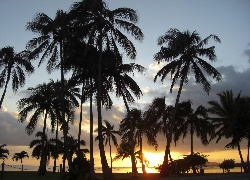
(20, 156)
(193, 122)
(232, 121)
(39, 147)
(13, 65)
(3, 152)
(185, 52)
(40, 103)
(108, 134)
(142, 127)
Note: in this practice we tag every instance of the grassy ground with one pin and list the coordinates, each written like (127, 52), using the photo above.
(32, 175)
(29, 175)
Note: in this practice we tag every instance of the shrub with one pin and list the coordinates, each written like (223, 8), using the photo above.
(227, 164)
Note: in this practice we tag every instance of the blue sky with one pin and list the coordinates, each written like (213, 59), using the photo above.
(228, 19)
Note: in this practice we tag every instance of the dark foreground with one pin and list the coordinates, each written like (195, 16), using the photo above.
(15, 175)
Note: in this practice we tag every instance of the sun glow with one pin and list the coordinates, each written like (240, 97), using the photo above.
(155, 159)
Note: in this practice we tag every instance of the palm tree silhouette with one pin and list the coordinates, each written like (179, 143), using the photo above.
(47, 148)
(13, 65)
(142, 127)
(41, 102)
(108, 134)
(3, 152)
(53, 33)
(231, 121)
(184, 52)
(21, 156)
(193, 122)
(101, 25)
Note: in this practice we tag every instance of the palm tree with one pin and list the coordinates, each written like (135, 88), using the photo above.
(3, 152)
(184, 51)
(246, 123)
(21, 156)
(39, 147)
(13, 65)
(73, 146)
(193, 121)
(126, 87)
(41, 102)
(108, 134)
(101, 24)
(53, 33)
(161, 114)
(231, 119)
(142, 127)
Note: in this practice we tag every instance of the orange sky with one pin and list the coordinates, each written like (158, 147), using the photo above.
(155, 157)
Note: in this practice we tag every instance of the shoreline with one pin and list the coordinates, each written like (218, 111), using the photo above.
(31, 175)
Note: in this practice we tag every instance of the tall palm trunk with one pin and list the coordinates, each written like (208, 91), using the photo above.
(110, 154)
(165, 168)
(64, 123)
(141, 154)
(132, 142)
(42, 167)
(56, 151)
(92, 172)
(105, 168)
(248, 146)
(241, 158)
(80, 123)
(5, 87)
(192, 144)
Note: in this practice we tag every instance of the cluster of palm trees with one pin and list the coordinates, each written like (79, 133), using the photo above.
(86, 42)
(228, 118)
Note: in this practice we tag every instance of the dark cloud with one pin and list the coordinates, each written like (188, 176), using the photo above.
(13, 133)
(232, 80)
(247, 53)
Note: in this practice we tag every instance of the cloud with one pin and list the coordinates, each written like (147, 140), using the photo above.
(232, 80)
(155, 66)
(247, 53)
(12, 132)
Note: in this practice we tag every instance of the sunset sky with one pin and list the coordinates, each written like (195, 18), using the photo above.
(228, 19)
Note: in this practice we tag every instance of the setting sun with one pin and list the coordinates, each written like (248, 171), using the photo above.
(156, 159)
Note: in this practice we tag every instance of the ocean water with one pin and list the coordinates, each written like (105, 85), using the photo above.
(209, 169)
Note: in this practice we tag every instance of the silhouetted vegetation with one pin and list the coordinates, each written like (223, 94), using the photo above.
(88, 41)
(227, 165)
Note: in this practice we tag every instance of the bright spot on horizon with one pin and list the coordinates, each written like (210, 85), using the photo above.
(156, 159)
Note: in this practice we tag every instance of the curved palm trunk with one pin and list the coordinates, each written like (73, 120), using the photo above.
(5, 89)
(134, 168)
(165, 168)
(42, 167)
(241, 158)
(92, 171)
(105, 167)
